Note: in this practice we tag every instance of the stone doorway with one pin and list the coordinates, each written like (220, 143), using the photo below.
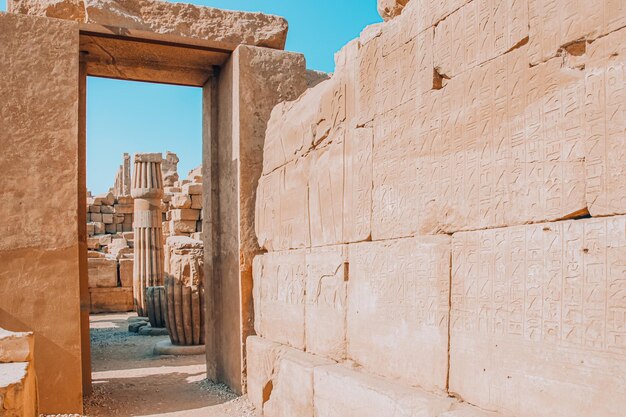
(243, 73)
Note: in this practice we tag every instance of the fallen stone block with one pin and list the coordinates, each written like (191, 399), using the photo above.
(192, 189)
(345, 392)
(185, 214)
(18, 390)
(102, 273)
(16, 346)
(111, 300)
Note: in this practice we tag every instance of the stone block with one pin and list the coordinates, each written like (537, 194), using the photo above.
(185, 214)
(262, 358)
(279, 296)
(124, 208)
(292, 386)
(96, 217)
(186, 20)
(605, 142)
(182, 226)
(539, 309)
(556, 24)
(126, 272)
(326, 286)
(358, 179)
(16, 346)
(124, 200)
(99, 228)
(397, 317)
(93, 209)
(172, 190)
(282, 208)
(18, 389)
(95, 254)
(388, 9)
(196, 202)
(326, 181)
(192, 189)
(102, 272)
(111, 300)
(118, 219)
(93, 242)
(91, 229)
(107, 218)
(473, 166)
(478, 32)
(106, 209)
(110, 228)
(180, 201)
(342, 391)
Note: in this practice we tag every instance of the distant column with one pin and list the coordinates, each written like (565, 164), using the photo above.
(126, 175)
(147, 191)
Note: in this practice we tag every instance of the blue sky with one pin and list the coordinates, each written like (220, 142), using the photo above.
(139, 117)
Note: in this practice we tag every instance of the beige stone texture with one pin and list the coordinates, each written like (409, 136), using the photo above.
(358, 180)
(605, 122)
(477, 32)
(39, 249)
(470, 411)
(262, 359)
(539, 310)
(181, 201)
(102, 272)
(192, 189)
(454, 178)
(182, 226)
(18, 390)
(292, 386)
(325, 311)
(398, 300)
(388, 9)
(16, 346)
(342, 391)
(279, 302)
(251, 83)
(556, 24)
(180, 19)
(126, 272)
(111, 300)
(185, 214)
(196, 202)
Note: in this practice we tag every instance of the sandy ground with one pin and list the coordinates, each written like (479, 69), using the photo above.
(128, 380)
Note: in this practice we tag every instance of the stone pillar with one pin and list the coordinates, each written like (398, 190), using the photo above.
(147, 191)
(126, 175)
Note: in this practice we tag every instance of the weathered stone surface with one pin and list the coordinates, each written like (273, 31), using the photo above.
(472, 166)
(539, 309)
(398, 309)
(18, 390)
(102, 272)
(185, 214)
(388, 9)
(341, 391)
(358, 180)
(182, 226)
(180, 19)
(262, 357)
(181, 201)
(326, 286)
(279, 301)
(292, 386)
(192, 189)
(39, 249)
(126, 272)
(556, 24)
(16, 346)
(477, 32)
(605, 122)
(111, 300)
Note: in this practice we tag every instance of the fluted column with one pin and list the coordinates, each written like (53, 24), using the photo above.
(147, 191)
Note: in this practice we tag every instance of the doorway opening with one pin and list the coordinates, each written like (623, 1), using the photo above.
(145, 250)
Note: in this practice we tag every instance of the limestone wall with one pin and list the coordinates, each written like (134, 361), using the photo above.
(444, 218)
(39, 249)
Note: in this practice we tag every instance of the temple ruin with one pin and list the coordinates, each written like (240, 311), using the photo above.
(438, 229)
